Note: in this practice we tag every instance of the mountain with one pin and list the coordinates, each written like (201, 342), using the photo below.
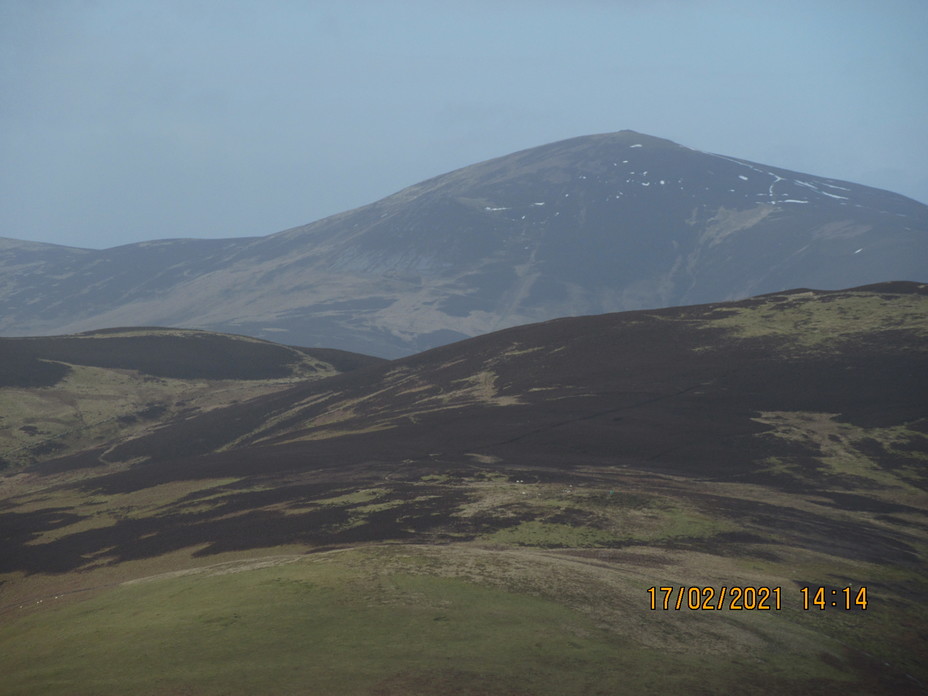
(64, 394)
(594, 224)
(501, 514)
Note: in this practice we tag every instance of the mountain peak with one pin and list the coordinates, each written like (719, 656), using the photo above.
(592, 224)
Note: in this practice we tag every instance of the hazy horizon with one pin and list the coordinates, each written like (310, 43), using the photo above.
(129, 121)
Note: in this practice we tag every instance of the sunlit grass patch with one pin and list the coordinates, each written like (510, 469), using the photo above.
(838, 448)
(559, 515)
(812, 322)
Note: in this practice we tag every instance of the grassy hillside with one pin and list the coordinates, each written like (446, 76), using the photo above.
(64, 394)
(419, 620)
(488, 518)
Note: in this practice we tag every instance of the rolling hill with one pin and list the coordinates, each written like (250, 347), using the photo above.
(499, 516)
(62, 394)
(594, 224)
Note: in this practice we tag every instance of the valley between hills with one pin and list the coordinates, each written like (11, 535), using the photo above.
(186, 512)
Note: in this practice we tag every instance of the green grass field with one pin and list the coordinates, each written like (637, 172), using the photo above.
(405, 620)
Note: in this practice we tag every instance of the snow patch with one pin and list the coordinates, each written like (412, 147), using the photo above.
(776, 178)
(742, 177)
(636, 145)
(818, 190)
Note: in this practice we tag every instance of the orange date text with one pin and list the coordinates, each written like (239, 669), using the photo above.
(715, 598)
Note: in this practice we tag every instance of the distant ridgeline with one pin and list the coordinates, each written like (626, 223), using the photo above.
(584, 226)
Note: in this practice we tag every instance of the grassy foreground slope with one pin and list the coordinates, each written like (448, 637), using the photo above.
(413, 620)
(487, 518)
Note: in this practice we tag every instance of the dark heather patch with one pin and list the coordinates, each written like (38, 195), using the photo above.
(186, 356)
(861, 503)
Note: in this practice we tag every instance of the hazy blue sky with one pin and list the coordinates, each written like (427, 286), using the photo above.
(126, 120)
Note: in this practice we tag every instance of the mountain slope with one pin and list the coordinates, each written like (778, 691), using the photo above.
(68, 393)
(589, 225)
(487, 517)
(857, 354)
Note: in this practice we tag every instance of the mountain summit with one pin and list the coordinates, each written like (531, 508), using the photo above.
(593, 224)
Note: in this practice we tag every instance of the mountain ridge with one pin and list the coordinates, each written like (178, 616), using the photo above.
(593, 224)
